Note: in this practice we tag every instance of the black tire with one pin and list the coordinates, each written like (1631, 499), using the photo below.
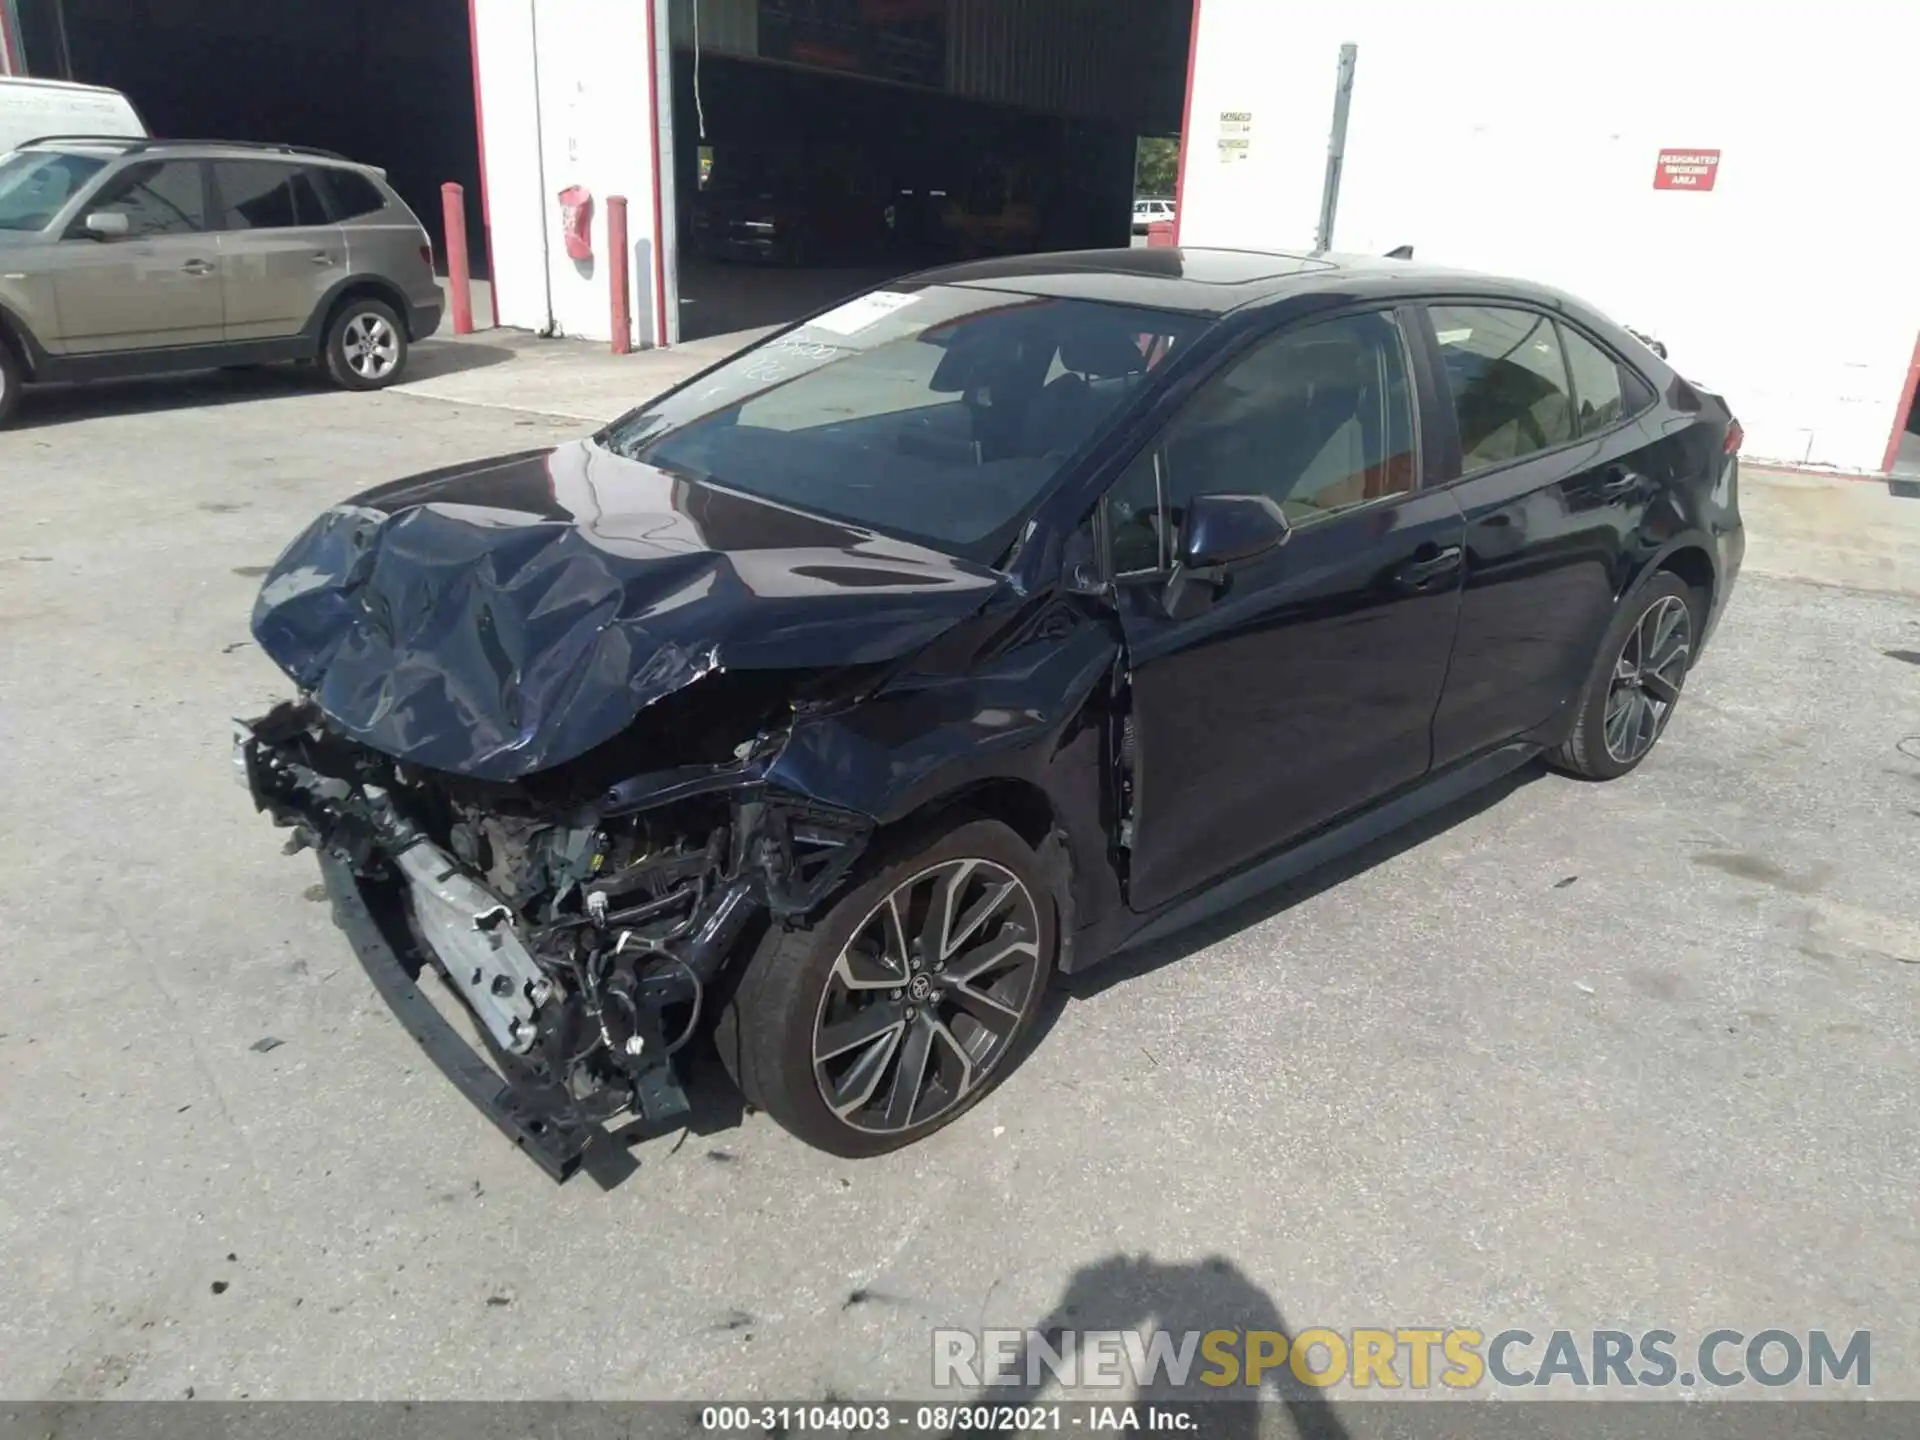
(1640, 712)
(792, 989)
(366, 347)
(12, 379)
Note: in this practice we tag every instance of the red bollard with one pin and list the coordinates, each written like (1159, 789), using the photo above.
(617, 275)
(1160, 233)
(453, 202)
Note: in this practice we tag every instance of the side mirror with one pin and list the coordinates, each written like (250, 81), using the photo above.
(106, 225)
(1220, 531)
(1223, 530)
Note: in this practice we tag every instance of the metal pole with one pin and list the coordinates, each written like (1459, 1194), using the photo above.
(1336, 149)
(60, 35)
(453, 212)
(665, 286)
(617, 277)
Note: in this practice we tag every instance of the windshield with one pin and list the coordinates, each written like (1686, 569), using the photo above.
(34, 185)
(939, 414)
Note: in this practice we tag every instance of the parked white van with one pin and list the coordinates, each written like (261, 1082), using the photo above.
(30, 108)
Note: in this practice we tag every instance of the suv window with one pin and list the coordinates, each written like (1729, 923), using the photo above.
(265, 195)
(1600, 388)
(1318, 419)
(158, 197)
(1509, 382)
(34, 186)
(353, 194)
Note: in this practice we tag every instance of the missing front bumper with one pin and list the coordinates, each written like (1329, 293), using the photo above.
(542, 1120)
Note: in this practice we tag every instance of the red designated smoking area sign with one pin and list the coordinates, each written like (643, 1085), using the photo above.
(1686, 169)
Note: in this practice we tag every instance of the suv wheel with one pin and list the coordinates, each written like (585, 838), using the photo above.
(366, 346)
(908, 1002)
(1636, 681)
(12, 378)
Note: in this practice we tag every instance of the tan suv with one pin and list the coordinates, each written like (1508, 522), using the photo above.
(127, 256)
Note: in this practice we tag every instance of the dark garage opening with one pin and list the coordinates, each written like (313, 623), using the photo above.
(383, 83)
(824, 146)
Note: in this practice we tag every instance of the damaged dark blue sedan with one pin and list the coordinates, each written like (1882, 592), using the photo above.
(967, 632)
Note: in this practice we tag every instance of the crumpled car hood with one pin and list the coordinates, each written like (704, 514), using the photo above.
(502, 618)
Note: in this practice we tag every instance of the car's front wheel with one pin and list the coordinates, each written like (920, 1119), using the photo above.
(906, 1004)
(366, 346)
(1636, 681)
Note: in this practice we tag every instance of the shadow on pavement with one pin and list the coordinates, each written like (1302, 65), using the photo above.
(1128, 1292)
(717, 1106)
(1131, 963)
(44, 406)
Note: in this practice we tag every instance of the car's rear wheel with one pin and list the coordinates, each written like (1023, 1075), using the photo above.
(1636, 680)
(12, 378)
(909, 1001)
(366, 345)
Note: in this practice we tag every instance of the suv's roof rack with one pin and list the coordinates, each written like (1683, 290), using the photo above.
(134, 144)
(130, 141)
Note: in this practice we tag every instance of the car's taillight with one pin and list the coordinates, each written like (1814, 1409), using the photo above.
(426, 254)
(1735, 438)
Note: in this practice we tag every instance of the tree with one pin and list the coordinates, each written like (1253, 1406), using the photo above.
(1156, 167)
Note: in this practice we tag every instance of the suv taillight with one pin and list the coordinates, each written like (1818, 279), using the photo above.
(426, 253)
(1735, 438)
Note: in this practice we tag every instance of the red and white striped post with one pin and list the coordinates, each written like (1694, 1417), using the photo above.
(453, 202)
(617, 275)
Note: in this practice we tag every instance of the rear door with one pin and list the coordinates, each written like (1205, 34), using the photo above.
(1552, 460)
(280, 253)
(1307, 687)
(159, 285)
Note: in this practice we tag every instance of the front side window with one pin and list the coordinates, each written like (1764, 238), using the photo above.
(262, 195)
(939, 414)
(158, 197)
(1318, 419)
(35, 186)
(1509, 382)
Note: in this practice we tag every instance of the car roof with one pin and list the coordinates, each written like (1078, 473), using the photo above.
(39, 83)
(1212, 282)
(199, 149)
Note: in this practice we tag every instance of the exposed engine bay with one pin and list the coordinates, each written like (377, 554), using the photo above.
(585, 934)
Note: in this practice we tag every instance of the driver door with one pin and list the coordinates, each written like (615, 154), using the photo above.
(156, 287)
(1305, 683)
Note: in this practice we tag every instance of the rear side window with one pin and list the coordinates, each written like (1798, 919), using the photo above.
(263, 195)
(1509, 382)
(1599, 383)
(158, 197)
(353, 194)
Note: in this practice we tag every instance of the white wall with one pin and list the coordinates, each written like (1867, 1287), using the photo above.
(565, 96)
(1522, 137)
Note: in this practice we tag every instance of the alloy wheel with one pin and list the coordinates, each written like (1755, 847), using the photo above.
(1647, 676)
(372, 346)
(926, 997)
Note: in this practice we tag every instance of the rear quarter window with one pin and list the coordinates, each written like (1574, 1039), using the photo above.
(351, 194)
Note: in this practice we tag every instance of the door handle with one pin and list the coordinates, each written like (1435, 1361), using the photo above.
(321, 257)
(1419, 574)
(198, 267)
